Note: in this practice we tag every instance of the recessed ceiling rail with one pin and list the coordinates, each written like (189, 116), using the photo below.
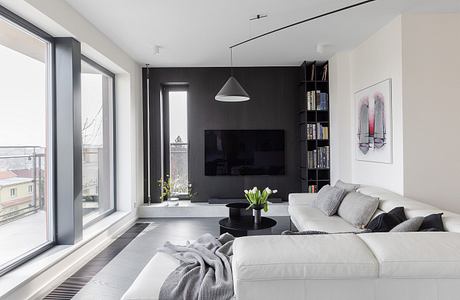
(304, 21)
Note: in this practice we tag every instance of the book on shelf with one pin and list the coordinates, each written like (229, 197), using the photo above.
(323, 103)
(316, 100)
(312, 159)
(312, 188)
(319, 158)
(324, 76)
(311, 131)
(317, 131)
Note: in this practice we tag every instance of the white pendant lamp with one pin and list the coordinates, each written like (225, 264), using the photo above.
(232, 91)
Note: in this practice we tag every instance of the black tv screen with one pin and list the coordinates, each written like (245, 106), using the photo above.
(244, 152)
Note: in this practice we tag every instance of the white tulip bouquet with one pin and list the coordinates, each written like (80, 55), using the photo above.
(258, 199)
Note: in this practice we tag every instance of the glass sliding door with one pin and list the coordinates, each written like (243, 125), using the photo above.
(26, 218)
(97, 142)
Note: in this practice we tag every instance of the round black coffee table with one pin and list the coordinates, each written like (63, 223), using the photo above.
(244, 226)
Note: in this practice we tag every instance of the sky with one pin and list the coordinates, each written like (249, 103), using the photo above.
(22, 99)
(91, 113)
(178, 116)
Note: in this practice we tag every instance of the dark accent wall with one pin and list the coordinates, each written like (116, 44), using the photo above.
(273, 105)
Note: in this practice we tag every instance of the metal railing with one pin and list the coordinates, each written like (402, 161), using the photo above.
(30, 163)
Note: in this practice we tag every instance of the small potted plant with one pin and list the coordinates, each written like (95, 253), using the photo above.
(258, 200)
(167, 187)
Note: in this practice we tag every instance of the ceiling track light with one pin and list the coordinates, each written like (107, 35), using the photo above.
(232, 91)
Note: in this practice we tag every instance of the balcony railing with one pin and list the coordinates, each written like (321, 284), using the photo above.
(26, 162)
(179, 168)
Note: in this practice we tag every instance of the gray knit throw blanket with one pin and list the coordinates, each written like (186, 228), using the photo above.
(205, 272)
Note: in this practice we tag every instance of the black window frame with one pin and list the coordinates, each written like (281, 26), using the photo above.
(23, 24)
(110, 74)
(165, 89)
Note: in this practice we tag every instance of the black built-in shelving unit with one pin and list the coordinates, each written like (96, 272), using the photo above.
(314, 147)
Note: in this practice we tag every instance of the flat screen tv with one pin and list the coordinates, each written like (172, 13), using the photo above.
(244, 152)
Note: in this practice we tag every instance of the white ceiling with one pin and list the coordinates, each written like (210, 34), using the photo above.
(199, 32)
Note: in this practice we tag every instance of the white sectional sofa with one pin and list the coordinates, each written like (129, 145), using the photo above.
(397, 266)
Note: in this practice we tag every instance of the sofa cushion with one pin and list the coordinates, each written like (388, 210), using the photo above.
(290, 257)
(301, 199)
(329, 199)
(358, 209)
(387, 221)
(416, 254)
(349, 187)
(451, 222)
(390, 200)
(432, 222)
(307, 218)
(408, 225)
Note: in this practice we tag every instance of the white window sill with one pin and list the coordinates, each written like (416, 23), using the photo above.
(33, 268)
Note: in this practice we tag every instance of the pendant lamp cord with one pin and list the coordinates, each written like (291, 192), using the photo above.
(231, 61)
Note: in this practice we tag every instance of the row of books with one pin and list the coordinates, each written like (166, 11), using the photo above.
(313, 71)
(316, 100)
(318, 158)
(317, 131)
(313, 188)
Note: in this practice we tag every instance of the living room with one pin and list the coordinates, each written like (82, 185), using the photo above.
(243, 150)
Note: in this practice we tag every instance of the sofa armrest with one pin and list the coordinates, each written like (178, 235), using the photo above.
(301, 199)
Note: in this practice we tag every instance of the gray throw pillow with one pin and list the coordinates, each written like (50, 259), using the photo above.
(408, 225)
(349, 187)
(358, 209)
(328, 199)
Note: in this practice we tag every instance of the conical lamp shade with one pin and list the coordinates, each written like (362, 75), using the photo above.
(232, 91)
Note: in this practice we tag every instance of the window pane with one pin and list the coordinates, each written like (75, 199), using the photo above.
(178, 141)
(25, 205)
(97, 156)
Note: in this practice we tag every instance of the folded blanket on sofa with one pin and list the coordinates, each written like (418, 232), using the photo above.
(205, 271)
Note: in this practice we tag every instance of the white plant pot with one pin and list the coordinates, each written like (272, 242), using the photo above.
(173, 201)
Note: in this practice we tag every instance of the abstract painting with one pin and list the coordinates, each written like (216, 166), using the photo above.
(373, 138)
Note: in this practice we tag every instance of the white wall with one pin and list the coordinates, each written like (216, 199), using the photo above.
(376, 59)
(421, 54)
(59, 19)
(431, 64)
(340, 116)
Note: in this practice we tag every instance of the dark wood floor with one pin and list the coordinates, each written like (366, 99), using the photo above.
(117, 275)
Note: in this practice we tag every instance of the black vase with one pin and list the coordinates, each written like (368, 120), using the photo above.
(257, 213)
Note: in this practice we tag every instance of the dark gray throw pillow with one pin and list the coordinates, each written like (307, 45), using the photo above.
(349, 187)
(408, 225)
(387, 221)
(328, 199)
(357, 209)
(432, 223)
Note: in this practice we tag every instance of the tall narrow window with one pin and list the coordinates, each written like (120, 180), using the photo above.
(97, 141)
(25, 187)
(178, 141)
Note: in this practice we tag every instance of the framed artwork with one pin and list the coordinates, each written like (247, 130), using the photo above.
(373, 123)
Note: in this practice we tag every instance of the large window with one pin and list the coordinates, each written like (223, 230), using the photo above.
(26, 223)
(97, 141)
(177, 160)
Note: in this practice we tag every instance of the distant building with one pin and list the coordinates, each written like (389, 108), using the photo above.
(16, 193)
